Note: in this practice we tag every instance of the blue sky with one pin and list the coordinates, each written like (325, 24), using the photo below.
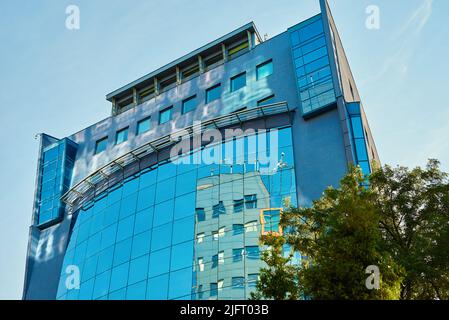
(54, 80)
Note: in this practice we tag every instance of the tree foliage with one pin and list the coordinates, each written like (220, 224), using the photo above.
(395, 219)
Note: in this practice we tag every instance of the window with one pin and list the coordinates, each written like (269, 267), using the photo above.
(165, 115)
(238, 282)
(214, 261)
(101, 145)
(252, 279)
(121, 136)
(251, 226)
(190, 71)
(200, 237)
(252, 252)
(221, 232)
(213, 289)
(213, 93)
(143, 125)
(218, 209)
(201, 264)
(265, 101)
(237, 229)
(238, 206)
(238, 82)
(125, 104)
(251, 201)
(200, 214)
(236, 49)
(146, 94)
(189, 104)
(237, 254)
(167, 82)
(269, 219)
(213, 60)
(221, 257)
(264, 70)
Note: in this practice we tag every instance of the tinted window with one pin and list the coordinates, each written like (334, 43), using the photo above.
(238, 82)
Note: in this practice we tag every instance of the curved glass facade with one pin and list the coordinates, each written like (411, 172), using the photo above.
(184, 229)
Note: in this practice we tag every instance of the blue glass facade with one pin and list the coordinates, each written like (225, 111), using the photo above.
(312, 66)
(55, 178)
(169, 232)
(139, 226)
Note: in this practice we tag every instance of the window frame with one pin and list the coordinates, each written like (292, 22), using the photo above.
(162, 112)
(210, 89)
(142, 121)
(191, 98)
(261, 65)
(244, 73)
(105, 140)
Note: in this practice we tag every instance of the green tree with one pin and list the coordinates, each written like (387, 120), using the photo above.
(414, 220)
(279, 280)
(340, 236)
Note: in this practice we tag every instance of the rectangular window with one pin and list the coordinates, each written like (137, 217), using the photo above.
(214, 261)
(237, 49)
(200, 237)
(264, 70)
(237, 254)
(265, 101)
(238, 81)
(221, 257)
(165, 115)
(213, 93)
(238, 206)
(200, 214)
(189, 104)
(270, 219)
(218, 209)
(121, 136)
(251, 201)
(238, 282)
(213, 60)
(252, 279)
(213, 289)
(101, 145)
(252, 252)
(237, 229)
(143, 125)
(251, 226)
(201, 264)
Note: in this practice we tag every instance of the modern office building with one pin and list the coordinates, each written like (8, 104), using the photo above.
(167, 197)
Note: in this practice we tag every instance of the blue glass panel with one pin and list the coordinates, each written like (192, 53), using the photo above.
(186, 183)
(357, 127)
(157, 288)
(105, 260)
(165, 190)
(183, 230)
(86, 290)
(125, 228)
(361, 150)
(119, 277)
(144, 220)
(89, 268)
(141, 244)
(146, 198)
(101, 286)
(364, 165)
(143, 126)
(213, 93)
(264, 70)
(165, 115)
(128, 207)
(159, 262)
(161, 237)
(138, 269)
(189, 104)
(185, 206)
(118, 295)
(163, 213)
(147, 179)
(122, 251)
(121, 136)
(180, 283)
(182, 256)
(112, 214)
(238, 82)
(93, 245)
(108, 236)
(101, 145)
(137, 291)
(311, 30)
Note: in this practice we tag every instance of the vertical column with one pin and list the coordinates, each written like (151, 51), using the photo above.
(224, 51)
(201, 64)
(156, 87)
(135, 97)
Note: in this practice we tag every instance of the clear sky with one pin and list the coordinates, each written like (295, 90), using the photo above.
(54, 80)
